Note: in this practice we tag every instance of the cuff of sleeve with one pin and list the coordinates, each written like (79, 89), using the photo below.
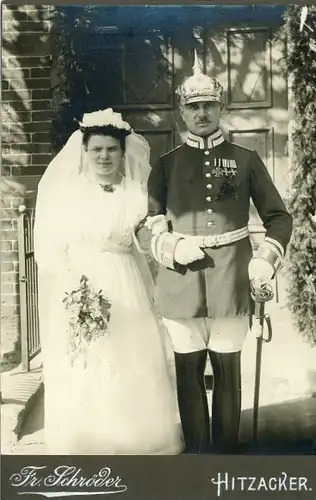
(275, 244)
(271, 252)
(163, 247)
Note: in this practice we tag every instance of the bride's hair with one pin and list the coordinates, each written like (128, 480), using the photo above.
(110, 130)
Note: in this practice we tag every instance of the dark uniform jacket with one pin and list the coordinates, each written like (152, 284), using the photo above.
(204, 187)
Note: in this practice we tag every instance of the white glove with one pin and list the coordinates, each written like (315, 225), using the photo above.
(187, 251)
(260, 272)
(157, 224)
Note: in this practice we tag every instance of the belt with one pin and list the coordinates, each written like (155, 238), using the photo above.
(217, 240)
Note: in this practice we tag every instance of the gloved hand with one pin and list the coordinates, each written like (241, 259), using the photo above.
(157, 224)
(187, 251)
(260, 272)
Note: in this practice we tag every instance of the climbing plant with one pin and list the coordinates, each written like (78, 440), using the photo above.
(300, 30)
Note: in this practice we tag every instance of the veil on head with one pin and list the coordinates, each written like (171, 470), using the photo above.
(137, 159)
(68, 162)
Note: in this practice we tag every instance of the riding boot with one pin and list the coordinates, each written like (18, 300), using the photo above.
(226, 404)
(192, 401)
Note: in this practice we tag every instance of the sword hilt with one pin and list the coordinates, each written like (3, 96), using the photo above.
(260, 297)
(263, 294)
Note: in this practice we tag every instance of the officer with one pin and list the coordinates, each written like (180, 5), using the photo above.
(197, 230)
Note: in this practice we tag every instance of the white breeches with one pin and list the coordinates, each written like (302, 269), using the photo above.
(195, 334)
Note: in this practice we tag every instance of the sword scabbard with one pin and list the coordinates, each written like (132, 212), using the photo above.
(260, 298)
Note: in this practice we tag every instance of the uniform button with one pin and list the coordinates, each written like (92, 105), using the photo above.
(207, 163)
(208, 198)
(207, 174)
(209, 186)
(209, 211)
(206, 152)
(210, 224)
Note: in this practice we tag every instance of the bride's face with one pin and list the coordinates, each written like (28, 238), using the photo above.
(104, 154)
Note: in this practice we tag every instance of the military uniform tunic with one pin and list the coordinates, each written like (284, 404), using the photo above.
(204, 187)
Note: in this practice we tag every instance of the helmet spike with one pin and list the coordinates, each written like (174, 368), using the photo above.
(197, 68)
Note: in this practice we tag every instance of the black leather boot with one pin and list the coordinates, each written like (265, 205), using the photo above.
(192, 401)
(226, 404)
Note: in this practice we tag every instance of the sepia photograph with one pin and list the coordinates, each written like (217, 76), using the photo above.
(158, 229)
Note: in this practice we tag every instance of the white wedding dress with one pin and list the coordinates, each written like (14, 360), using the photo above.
(122, 401)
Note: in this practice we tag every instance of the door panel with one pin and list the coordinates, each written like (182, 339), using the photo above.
(149, 89)
(249, 68)
(147, 64)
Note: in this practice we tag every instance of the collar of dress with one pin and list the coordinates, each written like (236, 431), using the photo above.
(211, 141)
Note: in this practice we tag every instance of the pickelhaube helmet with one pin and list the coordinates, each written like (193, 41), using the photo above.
(199, 87)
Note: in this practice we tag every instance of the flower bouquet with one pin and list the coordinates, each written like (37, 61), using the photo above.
(89, 315)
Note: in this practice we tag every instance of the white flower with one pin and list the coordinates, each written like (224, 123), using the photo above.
(104, 117)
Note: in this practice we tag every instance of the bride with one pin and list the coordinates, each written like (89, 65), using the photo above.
(112, 393)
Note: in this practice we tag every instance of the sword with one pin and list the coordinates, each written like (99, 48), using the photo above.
(260, 297)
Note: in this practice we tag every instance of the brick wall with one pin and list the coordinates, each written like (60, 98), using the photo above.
(26, 150)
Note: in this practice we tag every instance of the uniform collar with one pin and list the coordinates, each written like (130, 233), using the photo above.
(211, 141)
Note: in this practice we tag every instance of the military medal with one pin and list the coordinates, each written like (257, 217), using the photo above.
(224, 166)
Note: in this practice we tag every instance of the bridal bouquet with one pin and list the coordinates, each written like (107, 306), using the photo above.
(89, 315)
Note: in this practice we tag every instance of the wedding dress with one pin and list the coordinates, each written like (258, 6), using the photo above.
(118, 397)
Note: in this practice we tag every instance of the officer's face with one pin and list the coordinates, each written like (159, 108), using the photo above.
(201, 118)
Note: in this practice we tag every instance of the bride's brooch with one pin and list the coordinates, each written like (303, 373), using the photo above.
(107, 188)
